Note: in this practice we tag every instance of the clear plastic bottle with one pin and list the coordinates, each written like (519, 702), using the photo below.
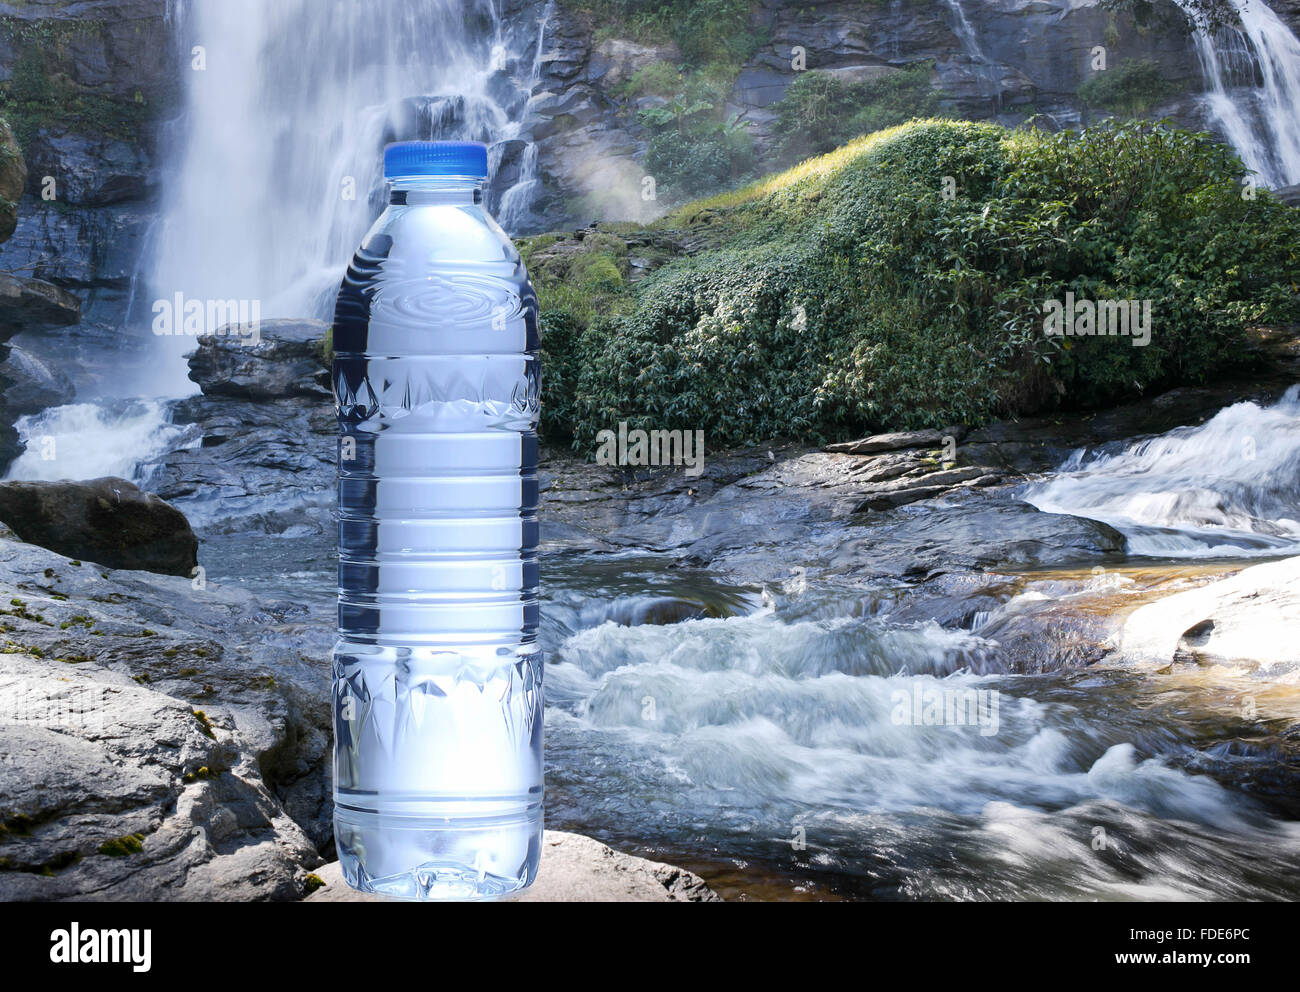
(437, 673)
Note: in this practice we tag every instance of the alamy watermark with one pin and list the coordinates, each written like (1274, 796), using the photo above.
(1073, 317)
(651, 449)
(932, 706)
(133, 947)
(181, 317)
(75, 707)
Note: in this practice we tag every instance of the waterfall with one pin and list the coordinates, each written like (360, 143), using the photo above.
(276, 173)
(516, 202)
(970, 44)
(1252, 79)
(1230, 487)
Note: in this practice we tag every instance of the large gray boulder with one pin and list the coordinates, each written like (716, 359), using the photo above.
(161, 739)
(282, 360)
(33, 303)
(107, 521)
(151, 801)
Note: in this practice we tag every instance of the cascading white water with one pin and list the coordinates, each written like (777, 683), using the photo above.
(288, 107)
(1252, 78)
(93, 442)
(970, 44)
(274, 170)
(1229, 487)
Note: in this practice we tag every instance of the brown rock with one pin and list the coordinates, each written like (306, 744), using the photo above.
(108, 521)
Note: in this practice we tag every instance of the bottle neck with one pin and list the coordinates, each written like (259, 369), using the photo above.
(435, 190)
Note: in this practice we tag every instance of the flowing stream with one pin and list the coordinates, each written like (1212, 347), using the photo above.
(758, 740)
(1230, 487)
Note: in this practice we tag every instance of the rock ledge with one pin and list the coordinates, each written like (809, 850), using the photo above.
(574, 869)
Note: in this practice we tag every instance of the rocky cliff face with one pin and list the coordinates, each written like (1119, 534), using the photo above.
(26, 384)
(86, 88)
(994, 59)
(13, 180)
(89, 87)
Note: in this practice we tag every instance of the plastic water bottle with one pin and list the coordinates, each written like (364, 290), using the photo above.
(437, 673)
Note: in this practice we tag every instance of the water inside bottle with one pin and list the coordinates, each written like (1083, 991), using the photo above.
(438, 678)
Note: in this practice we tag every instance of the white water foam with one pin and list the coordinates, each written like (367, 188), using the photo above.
(739, 717)
(88, 441)
(1230, 487)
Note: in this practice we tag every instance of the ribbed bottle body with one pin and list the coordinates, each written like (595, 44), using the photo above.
(437, 677)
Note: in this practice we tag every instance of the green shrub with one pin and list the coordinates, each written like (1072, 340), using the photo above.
(703, 30)
(820, 111)
(655, 79)
(693, 152)
(852, 294)
(698, 163)
(1131, 88)
(715, 30)
(596, 273)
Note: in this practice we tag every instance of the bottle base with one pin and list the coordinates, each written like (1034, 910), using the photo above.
(438, 859)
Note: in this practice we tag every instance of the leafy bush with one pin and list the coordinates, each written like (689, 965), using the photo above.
(701, 160)
(1131, 88)
(821, 111)
(693, 152)
(854, 294)
(703, 30)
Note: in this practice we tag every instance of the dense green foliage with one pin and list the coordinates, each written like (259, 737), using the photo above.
(704, 31)
(704, 156)
(820, 111)
(1131, 88)
(856, 293)
(37, 91)
(1208, 14)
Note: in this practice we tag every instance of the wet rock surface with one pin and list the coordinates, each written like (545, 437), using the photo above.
(29, 385)
(253, 466)
(1246, 624)
(34, 303)
(281, 361)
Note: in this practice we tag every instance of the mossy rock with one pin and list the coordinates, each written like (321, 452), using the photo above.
(122, 847)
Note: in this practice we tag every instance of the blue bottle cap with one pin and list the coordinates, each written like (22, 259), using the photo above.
(436, 158)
